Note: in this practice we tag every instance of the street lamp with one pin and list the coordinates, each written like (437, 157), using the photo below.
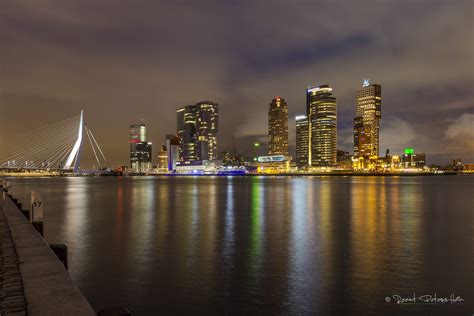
(255, 148)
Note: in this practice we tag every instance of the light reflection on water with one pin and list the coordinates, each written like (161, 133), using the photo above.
(328, 245)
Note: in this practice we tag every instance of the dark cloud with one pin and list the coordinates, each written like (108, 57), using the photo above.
(122, 61)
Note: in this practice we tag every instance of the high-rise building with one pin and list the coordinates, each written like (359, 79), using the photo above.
(172, 148)
(187, 133)
(140, 149)
(162, 160)
(197, 130)
(207, 124)
(143, 155)
(367, 120)
(302, 140)
(278, 127)
(322, 118)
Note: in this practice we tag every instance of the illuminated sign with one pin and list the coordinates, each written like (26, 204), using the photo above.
(277, 158)
(409, 151)
(320, 88)
(366, 83)
(300, 117)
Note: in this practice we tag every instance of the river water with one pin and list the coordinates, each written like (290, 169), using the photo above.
(271, 245)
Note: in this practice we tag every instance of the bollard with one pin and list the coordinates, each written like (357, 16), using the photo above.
(61, 252)
(114, 311)
(39, 227)
(26, 213)
(36, 216)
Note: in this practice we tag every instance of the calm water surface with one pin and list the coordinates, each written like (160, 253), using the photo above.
(280, 245)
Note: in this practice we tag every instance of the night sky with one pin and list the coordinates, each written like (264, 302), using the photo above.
(122, 61)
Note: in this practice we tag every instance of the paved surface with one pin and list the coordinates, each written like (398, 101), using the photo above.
(33, 280)
(12, 295)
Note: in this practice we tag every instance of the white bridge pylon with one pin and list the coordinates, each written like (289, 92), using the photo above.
(76, 150)
(57, 146)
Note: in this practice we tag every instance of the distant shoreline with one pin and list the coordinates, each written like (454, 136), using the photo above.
(315, 174)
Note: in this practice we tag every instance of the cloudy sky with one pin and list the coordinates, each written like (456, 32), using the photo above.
(122, 61)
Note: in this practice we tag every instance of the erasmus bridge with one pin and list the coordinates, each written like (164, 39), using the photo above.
(57, 146)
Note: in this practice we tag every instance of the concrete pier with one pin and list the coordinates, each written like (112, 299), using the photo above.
(33, 281)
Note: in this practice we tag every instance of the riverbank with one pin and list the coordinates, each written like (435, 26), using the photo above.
(289, 174)
(33, 279)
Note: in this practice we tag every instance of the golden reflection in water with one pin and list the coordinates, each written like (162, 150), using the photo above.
(325, 215)
(142, 214)
(303, 270)
(77, 203)
(383, 223)
(119, 234)
(410, 229)
(191, 218)
(162, 214)
(368, 231)
(77, 221)
(207, 229)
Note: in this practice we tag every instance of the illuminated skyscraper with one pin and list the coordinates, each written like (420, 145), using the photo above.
(187, 133)
(302, 140)
(207, 124)
(139, 159)
(162, 165)
(278, 127)
(197, 129)
(367, 120)
(322, 117)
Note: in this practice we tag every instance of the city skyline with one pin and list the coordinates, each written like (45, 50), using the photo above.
(236, 157)
(58, 62)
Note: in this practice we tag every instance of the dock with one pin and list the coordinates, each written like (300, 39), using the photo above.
(33, 281)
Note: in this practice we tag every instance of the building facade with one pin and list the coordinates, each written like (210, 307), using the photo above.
(367, 120)
(207, 123)
(278, 127)
(322, 118)
(197, 131)
(162, 165)
(187, 133)
(412, 160)
(140, 149)
(302, 140)
(172, 151)
(144, 157)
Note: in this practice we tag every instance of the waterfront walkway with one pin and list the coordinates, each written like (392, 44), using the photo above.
(12, 295)
(32, 279)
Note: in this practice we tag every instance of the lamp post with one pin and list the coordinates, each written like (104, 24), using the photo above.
(255, 149)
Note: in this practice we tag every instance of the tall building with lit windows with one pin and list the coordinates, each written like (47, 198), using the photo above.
(207, 124)
(322, 118)
(367, 120)
(302, 140)
(140, 149)
(187, 133)
(197, 130)
(278, 127)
